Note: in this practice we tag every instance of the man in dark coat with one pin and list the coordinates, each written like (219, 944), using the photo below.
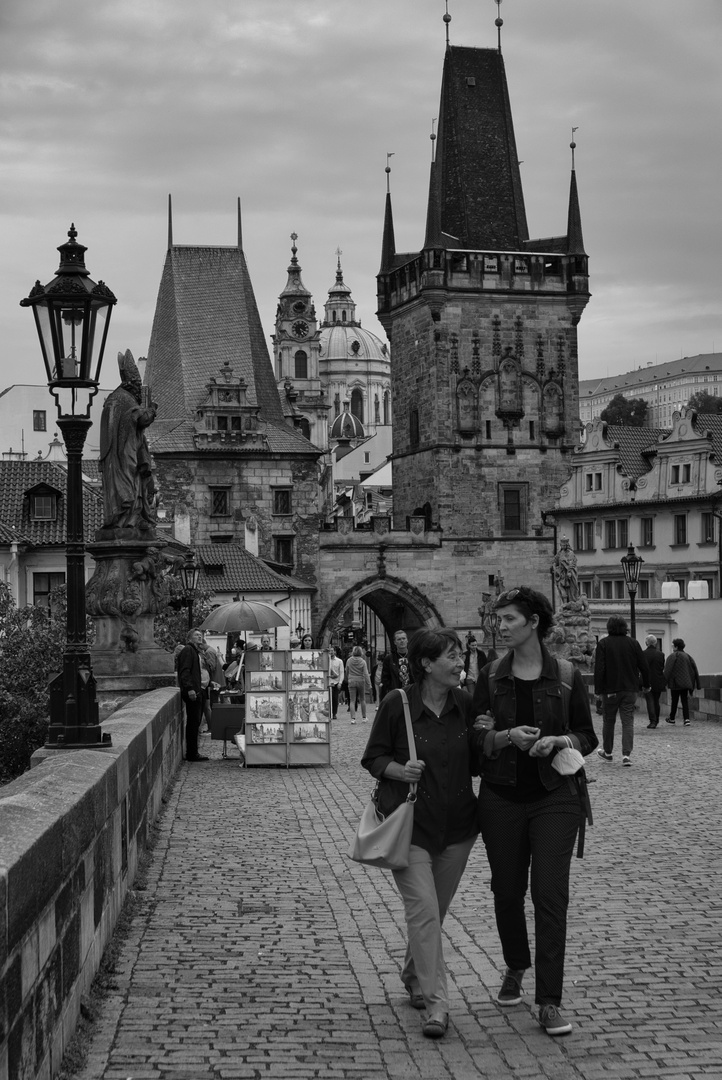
(191, 687)
(619, 670)
(395, 673)
(657, 682)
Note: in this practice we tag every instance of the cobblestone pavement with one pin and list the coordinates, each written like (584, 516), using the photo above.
(261, 951)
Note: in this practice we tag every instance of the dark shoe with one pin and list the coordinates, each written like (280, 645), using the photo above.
(435, 1027)
(416, 998)
(198, 757)
(604, 755)
(510, 993)
(687, 723)
(626, 760)
(552, 1021)
(669, 720)
(651, 725)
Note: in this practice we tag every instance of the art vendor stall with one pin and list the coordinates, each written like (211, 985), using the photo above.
(287, 708)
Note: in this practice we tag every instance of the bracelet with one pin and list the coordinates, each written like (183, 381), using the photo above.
(508, 736)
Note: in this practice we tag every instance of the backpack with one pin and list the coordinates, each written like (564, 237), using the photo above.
(578, 782)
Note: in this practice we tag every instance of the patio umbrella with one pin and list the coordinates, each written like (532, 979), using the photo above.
(248, 615)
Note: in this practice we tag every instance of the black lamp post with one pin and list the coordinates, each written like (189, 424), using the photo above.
(299, 631)
(631, 565)
(72, 315)
(190, 573)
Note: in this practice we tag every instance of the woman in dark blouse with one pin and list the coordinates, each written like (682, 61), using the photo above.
(445, 819)
(529, 812)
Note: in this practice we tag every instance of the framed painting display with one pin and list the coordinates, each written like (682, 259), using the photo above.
(288, 708)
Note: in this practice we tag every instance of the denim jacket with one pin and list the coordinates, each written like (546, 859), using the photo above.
(499, 766)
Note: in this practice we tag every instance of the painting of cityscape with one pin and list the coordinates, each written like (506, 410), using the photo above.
(309, 706)
(308, 680)
(265, 707)
(310, 733)
(306, 659)
(267, 733)
(265, 680)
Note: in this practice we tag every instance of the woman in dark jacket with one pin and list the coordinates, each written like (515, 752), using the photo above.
(682, 676)
(530, 813)
(657, 682)
(445, 820)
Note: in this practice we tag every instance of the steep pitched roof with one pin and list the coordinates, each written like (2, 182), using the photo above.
(177, 436)
(19, 477)
(206, 315)
(479, 190)
(636, 446)
(230, 568)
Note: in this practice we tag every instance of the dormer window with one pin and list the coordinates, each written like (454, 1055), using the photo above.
(43, 507)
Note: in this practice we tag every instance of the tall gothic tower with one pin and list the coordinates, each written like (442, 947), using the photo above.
(482, 324)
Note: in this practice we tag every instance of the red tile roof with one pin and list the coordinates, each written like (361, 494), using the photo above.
(230, 568)
(17, 478)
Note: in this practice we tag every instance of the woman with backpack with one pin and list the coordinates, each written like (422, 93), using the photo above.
(532, 707)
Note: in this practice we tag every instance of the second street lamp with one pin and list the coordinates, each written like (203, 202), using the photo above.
(631, 565)
(72, 314)
(190, 573)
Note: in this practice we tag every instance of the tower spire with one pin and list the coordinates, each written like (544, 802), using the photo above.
(575, 241)
(447, 20)
(170, 223)
(240, 224)
(388, 243)
(498, 23)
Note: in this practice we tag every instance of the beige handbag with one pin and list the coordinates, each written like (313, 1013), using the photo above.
(385, 840)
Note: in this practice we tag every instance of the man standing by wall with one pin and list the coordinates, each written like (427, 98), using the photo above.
(189, 678)
(395, 674)
(619, 670)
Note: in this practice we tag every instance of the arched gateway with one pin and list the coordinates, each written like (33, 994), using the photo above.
(395, 603)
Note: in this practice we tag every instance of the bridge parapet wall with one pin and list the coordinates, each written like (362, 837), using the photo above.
(71, 833)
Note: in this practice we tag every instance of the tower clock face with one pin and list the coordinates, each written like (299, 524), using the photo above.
(300, 328)
(299, 307)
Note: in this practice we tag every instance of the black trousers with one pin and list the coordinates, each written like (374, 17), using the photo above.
(194, 712)
(652, 699)
(334, 699)
(539, 836)
(679, 693)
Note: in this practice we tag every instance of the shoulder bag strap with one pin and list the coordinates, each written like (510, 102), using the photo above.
(412, 742)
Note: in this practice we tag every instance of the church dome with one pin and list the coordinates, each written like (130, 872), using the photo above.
(347, 426)
(342, 341)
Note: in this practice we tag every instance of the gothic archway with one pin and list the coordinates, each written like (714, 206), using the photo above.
(395, 603)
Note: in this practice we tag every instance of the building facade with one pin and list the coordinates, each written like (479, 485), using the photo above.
(654, 489)
(665, 387)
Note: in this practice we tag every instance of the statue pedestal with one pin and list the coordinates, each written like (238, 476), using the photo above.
(571, 635)
(123, 596)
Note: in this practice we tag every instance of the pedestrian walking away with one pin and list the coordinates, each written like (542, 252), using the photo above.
(358, 681)
(445, 819)
(529, 812)
(335, 678)
(682, 677)
(620, 668)
(657, 682)
(474, 660)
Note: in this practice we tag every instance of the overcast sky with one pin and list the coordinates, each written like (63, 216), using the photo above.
(107, 106)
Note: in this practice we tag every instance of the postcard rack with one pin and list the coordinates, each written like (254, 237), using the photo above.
(288, 708)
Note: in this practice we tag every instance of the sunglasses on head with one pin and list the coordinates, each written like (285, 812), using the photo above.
(511, 594)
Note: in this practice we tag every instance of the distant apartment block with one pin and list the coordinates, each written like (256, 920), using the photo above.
(665, 387)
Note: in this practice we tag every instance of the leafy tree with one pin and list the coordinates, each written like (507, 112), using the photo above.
(702, 402)
(170, 625)
(631, 412)
(32, 641)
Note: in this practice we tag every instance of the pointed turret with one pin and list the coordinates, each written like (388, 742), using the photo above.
(433, 238)
(388, 245)
(575, 241)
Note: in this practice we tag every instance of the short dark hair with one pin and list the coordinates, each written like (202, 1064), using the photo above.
(616, 626)
(678, 642)
(530, 602)
(429, 645)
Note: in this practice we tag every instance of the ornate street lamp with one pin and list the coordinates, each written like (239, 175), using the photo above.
(190, 573)
(631, 565)
(72, 315)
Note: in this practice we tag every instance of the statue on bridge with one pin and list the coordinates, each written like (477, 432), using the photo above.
(125, 463)
(564, 569)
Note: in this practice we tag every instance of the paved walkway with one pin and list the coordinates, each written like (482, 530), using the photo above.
(261, 951)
